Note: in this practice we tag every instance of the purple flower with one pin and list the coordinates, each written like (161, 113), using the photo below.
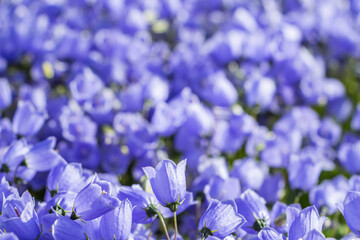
(131, 98)
(19, 216)
(230, 134)
(85, 85)
(268, 233)
(222, 189)
(7, 135)
(259, 90)
(304, 171)
(6, 190)
(67, 229)
(328, 133)
(101, 105)
(200, 119)
(226, 46)
(314, 235)
(253, 208)
(329, 193)
(350, 210)
(145, 204)
(168, 182)
(348, 154)
(272, 187)
(246, 170)
(27, 120)
(340, 108)
(94, 200)
(77, 127)
(116, 224)
(62, 178)
(220, 219)
(42, 156)
(156, 89)
(14, 156)
(218, 90)
(306, 221)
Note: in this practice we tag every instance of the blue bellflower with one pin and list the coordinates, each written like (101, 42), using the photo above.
(94, 200)
(27, 120)
(67, 229)
(350, 210)
(220, 219)
(253, 208)
(168, 182)
(306, 221)
(145, 204)
(19, 216)
(116, 224)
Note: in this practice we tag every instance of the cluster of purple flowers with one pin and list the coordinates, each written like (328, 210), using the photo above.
(259, 97)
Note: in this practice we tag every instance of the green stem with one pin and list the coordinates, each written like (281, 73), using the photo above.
(198, 205)
(164, 225)
(150, 232)
(175, 224)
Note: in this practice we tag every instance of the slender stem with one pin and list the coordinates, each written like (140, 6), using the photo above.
(175, 224)
(164, 225)
(150, 232)
(198, 205)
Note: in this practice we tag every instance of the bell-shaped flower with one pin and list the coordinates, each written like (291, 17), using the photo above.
(116, 224)
(66, 229)
(348, 154)
(329, 193)
(14, 156)
(42, 156)
(62, 178)
(27, 119)
(94, 200)
(350, 210)
(253, 208)
(168, 182)
(272, 188)
(145, 204)
(304, 171)
(307, 220)
(19, 216)
(220, 219)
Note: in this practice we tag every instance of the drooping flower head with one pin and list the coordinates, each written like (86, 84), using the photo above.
(94, 200)
(220, 219)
